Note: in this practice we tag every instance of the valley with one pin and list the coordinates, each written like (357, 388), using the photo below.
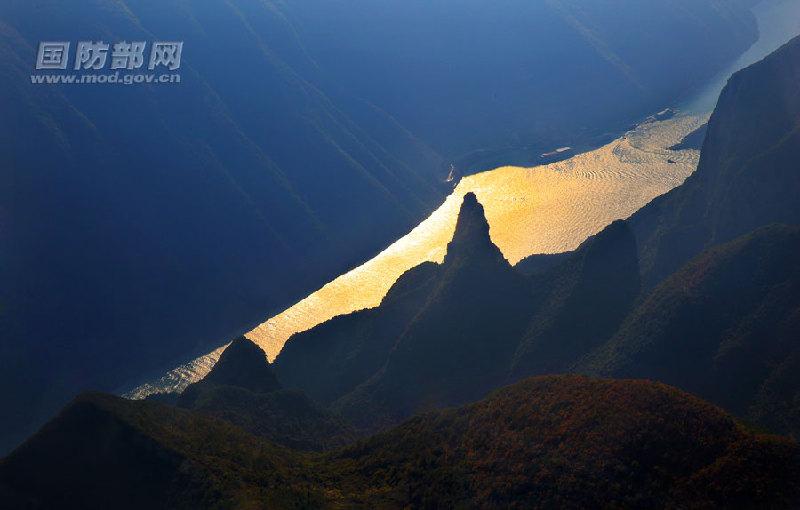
(545, 209)
(674, 331)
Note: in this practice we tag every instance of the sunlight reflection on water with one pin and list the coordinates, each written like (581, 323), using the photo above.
(545, 209)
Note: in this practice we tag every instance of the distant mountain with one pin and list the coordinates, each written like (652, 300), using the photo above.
(721, 323)
(149, 223)
(546, 442)
(491, 84)
(242, 390)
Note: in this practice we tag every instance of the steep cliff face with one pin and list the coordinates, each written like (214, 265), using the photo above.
(720, 323)
(724, 327)
(444, 335)
(458, 345)
(584, 300)
(747, 176)
(149, 223)
(719, 312)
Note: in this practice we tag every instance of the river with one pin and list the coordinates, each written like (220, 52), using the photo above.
(543, 209)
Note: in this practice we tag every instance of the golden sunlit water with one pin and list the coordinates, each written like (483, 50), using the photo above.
(545, 209)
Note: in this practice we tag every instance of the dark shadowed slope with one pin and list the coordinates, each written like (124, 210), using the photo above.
(333, 358)
(458, 345)
(584, 300)
(107, 452)
(151, 223)
(748, 175)
(567, 442)
(724, 327)
(148, 223)
(241, 364)
(242, 390)
(572, 442)
(444, 335)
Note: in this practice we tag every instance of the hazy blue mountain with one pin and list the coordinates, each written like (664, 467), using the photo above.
(152, 223)
(488, 84)
(148, 223)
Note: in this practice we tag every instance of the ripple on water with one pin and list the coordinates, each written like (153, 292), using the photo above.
(544, 209)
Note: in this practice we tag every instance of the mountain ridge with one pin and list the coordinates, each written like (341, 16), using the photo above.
(414, 334)
(581, 311)
(721, 327)
(632, 443)
(282, 159)
(742, 181)
(243, 390)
